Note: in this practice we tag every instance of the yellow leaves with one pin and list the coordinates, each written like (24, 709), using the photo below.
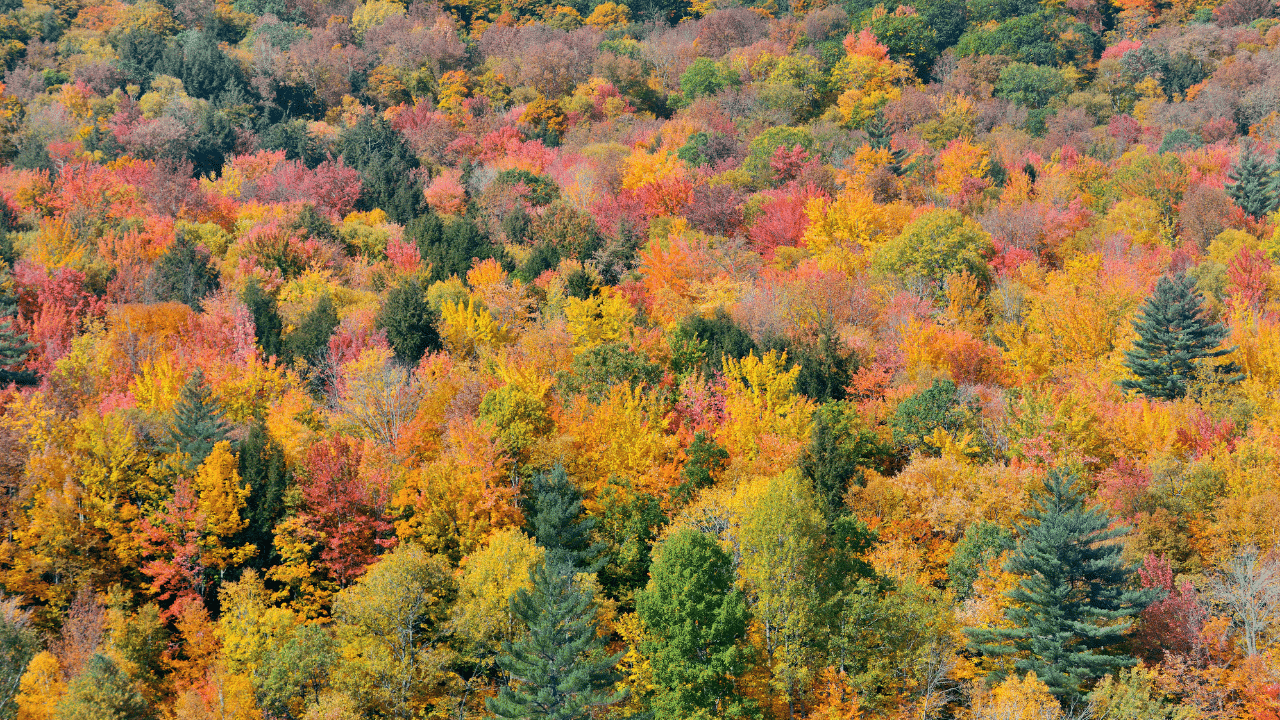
(643, 168)
(843, 233)
(372, 13)
(40, 688)
(868, 83)
(490, 579)
(635, 668)
(467, 329)
(625, 437)
(157, 387)
(949, 446)
(220, 498)
(1017, 698)
(766, 420)
(249, 625)
(960, 161)
(598, 319)
(608, 14)
(377, 396)
(1078, 314)
(1139, 218)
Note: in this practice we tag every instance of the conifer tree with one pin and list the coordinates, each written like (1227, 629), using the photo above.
(198, 423)
(102, 691)
(1255, 185)
(697, 622)
(264, 470)
(560, 668)
(386, 166)
(879, 138)
(409, 322)
(13, 344)
(1071, 607)
(556, 521)
(267, 324)
(1173, 336)
(185, 273)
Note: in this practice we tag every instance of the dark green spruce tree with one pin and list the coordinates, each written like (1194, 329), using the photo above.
(197, 424)
(1255, 184)
(560, 670)
(409, 322)
(1173, 338)
(880, 138)
(557, 522)
(13, 343)
(1073, 603)
(264, 470)
(185, 273)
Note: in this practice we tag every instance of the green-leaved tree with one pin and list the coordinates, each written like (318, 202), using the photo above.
(560, 670)
(697, 624)
(1255, 184)
(1072, 604)
(1174, 337)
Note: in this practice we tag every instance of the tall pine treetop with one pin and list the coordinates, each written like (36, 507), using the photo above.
(560, 668)
(1255, 184)
(1174, 336)
(1072, 604)
(197, 424)
(556, 521)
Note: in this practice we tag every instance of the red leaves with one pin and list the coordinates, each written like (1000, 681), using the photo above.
(345, 493)
(1172, 624)
(332, 186)
(52, 308)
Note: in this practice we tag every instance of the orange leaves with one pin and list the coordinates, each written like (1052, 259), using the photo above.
(864, 43)
(688, 276)
(960, 162)
(453, 504)
(955, 352)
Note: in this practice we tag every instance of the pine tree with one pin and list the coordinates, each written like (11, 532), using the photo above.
(879, 138)
(1071, 607)
(1255, 185)
(267, 324)
(560, 669)
(409, 322)
(1173, 336)
(13, 344)
(386, 166)
(185, 273)
(556, 521)
(697, 622)
(264, 470)
(198, 423)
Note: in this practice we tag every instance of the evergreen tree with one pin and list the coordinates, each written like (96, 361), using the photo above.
(263, 469)
(185, 273)
(386, 166)
(697, 623)
(102, 691)
(1071, 607)
(880, 138)
(267, 324)
(198, 423)
(409, 322)
(841, 446)
(1255, 185)
(707, 459)
(560, 668)
(557, 523)
(451, 247)
(13, 342)
(309, 340)
(1173, 336)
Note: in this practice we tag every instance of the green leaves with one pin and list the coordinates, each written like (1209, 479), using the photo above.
(1071, 607)
(1173, 338)
(697, 620)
